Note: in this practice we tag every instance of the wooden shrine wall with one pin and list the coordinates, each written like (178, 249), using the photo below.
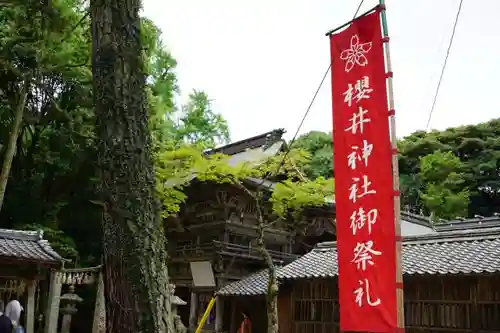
(433, 304)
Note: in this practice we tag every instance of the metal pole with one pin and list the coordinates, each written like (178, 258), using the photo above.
(395, 170)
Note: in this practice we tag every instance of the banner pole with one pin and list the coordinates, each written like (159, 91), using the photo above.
(395, 170)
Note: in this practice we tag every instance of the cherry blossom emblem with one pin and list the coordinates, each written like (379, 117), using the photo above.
(356, 53)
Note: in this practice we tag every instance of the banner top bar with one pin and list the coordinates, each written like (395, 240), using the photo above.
(347, 23)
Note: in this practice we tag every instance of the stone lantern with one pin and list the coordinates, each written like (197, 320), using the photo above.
(68, 308)
(175, 301)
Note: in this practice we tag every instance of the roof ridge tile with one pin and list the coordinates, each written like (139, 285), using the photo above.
(27, 245)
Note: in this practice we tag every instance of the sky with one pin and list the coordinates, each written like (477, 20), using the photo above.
(262, 60)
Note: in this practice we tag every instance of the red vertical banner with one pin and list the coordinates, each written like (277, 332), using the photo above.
(363, 179)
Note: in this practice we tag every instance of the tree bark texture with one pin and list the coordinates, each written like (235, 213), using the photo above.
(13, 136)
(272, 287)
(136, 277)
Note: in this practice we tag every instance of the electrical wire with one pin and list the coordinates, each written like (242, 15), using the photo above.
(310, 105)
(444, 65)
(417, 199)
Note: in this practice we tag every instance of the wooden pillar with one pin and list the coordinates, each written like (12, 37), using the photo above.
(232, 323)
(30, 308)
(475, 319)
(193, 315)
(219, 314)
(99, 324)
(52, 310)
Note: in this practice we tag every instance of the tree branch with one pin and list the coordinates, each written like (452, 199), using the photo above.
(12, 143)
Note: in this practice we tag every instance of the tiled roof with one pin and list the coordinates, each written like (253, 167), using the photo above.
(255, 284)
(320, 262)
(465, 251)
(456, 252)
(444, 253)
(416, 218)
(257, 141)
(479, 222)
(253, 151)
(266, 184)
(27, 245)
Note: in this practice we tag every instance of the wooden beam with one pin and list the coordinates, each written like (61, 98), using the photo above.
(52, 310)
(30, 307)
(4, 260)
(99, 324)
(219, 314)
(193, 318)
(19, 271)
(232, 323)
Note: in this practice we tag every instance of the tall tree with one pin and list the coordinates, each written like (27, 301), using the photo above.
(136, 278)
(18, 107)
(199, 124)
(46, 46)
(320, 146)
(54, 158)
(22, 59)
(444, 194)
(478, 149)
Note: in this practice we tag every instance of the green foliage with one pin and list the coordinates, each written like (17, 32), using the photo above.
(437, 167)
(320, 147)
(177, 168)
(199, 125)
(162, 87)
(46, 46)
(444, 194)
(477, 147)
(293, 197)
(291, 164)
(476, 181)
(51, 184)
(59, 241)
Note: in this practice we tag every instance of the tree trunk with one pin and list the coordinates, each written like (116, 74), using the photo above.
(272, 293)
(272, 301)
(12, 143)
(136, 277)
(272, 287)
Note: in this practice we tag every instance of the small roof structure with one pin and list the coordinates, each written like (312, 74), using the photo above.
(453, 252)
(27, 246)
